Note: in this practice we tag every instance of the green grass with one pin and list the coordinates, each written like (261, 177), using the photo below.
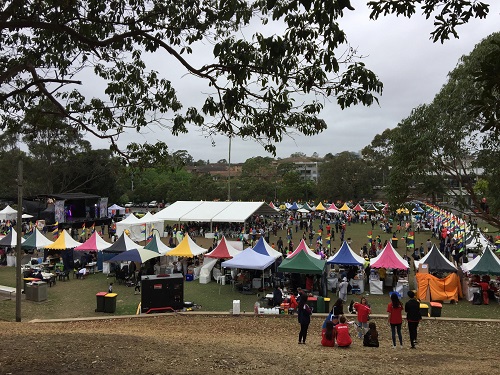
(76, 298)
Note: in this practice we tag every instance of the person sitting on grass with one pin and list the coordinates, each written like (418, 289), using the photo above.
(342, 334)
(328, 334)
(371, 337)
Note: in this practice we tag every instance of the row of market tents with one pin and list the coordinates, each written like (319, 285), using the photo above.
(332, 208)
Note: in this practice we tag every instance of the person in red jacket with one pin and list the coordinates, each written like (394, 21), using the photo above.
(328, 335)
(363, 312)
(342, 334)
(395, 318)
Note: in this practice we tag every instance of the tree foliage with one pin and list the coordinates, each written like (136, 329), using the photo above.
(440, 146)
(345, 177)
(258, 86)
(448, 14)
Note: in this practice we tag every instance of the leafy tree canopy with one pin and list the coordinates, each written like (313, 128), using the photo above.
(88, 58)
(442, 142)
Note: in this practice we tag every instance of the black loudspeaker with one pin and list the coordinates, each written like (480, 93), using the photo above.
(162, 293)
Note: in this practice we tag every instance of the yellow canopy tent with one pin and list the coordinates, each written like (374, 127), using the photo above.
(345, 207)
(320, 207)
(63, 242)
(402, 210)
(186, 248)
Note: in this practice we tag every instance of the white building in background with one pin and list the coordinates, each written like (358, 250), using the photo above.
(306, 167)
(308, 170)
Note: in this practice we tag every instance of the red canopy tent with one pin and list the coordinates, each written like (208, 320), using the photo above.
(223, 250)
(358, 208)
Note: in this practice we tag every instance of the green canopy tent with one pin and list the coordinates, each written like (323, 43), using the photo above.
(306, 264)
(302, 263)
(489, 264)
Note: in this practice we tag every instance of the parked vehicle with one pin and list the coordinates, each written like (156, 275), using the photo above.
(129, 204)
(153, 204)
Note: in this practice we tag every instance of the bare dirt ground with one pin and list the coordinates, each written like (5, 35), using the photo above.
(203, 344)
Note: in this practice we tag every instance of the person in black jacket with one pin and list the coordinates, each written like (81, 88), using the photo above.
(413, 316)
(304, 317)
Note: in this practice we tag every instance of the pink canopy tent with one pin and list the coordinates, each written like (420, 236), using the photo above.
(94, 243)
(332, 208)
(223, 250)
(389, 258)
(303, 247)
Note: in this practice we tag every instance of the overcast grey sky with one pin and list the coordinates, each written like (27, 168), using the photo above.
(398, 50)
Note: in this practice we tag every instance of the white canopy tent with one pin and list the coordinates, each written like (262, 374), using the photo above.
(8, 213)
(115, 210)
(140, 229)
(129, 222)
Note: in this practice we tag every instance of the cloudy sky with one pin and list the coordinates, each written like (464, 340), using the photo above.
(398, 50)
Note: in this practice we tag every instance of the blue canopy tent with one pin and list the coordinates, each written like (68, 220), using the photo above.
(294, 206)
(418, 209)
(262, 247)
(346, 256)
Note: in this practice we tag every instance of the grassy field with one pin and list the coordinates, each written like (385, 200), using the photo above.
(76, 298)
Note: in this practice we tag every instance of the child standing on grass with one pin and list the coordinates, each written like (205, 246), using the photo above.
(363, 312)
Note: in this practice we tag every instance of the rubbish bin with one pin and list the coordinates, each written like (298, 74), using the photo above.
(110, 302)
(36, 291)
(320, 305)
(28, 291)
(436, 309)
(27, 280)
(100, 301)
(424, 309)
(313, 303)
(327, 304)
(236, 307)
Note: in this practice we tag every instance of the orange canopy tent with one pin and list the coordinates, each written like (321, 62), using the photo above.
(431, 288)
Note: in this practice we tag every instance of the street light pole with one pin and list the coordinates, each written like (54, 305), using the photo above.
(18, 243)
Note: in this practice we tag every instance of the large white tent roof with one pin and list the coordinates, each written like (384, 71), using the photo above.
(213, 211)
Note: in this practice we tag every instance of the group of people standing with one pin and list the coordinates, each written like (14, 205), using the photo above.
(335, 329)
(395, 318)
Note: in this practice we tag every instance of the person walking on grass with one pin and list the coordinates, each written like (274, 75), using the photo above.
(395, 319)
(413, 317)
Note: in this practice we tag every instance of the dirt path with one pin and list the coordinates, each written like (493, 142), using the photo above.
(199, 344)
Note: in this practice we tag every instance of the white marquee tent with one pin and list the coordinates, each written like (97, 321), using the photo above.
(213, 212)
